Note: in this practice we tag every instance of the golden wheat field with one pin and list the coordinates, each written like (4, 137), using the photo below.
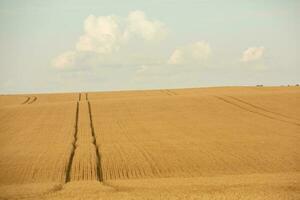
(201, 143)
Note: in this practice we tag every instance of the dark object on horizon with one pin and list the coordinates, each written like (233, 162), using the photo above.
(259, 85)
(297, 85)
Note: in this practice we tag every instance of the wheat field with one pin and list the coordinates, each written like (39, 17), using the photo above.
(201, 143)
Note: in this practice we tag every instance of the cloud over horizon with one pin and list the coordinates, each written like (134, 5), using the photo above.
(253, 58)
(92, 45)
(253, 54)
(195, 53)
(105, 37)
(115, 41)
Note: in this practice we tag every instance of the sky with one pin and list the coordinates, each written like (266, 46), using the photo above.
(97, 45)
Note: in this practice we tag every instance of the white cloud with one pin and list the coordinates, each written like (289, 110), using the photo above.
(195, 53)
(102, 35)
(64, 60)
(142, 69)
(108, 39)
(140, 26)
(176, 57)
(253, 54)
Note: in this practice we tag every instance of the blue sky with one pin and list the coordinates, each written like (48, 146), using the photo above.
(60, 46)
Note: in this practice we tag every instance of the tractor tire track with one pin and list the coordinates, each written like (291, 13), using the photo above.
(165, 93)
(85, 163)
(261, 108)
(168, 92)
(26, 101)
(33, 100)
(172, 92)
(68, 170)
(98, 156)
(255, 112)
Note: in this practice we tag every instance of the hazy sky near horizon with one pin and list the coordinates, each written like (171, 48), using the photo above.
(96, 45)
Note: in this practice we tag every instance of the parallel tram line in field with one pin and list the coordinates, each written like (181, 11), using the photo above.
(68, 171)
(84, 164)
(98, 158)
(98, 161)
(260, 108)
(255, 112)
